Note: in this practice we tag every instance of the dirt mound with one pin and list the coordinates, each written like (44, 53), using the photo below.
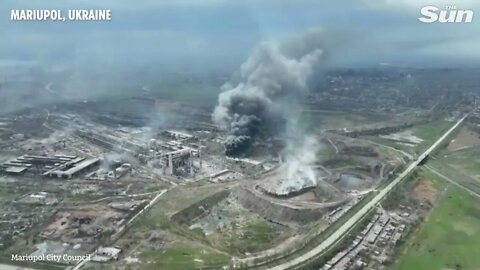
(465, 138)
(424, 191)
(282, 210)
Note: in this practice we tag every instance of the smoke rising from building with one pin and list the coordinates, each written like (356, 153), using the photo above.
(259, 101)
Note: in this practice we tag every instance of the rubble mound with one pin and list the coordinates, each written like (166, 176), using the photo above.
(280, 183)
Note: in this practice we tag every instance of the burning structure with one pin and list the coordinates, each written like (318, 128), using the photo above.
(268, 81)
(118, 171)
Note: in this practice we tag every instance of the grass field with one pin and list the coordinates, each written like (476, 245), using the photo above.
(177, 252)
(173, 201)
(182, 257)
(338, 120)
(449, 239)
(432, 130)
(456, 175)
(467, 160)
(257, 236)
(428, 132)
(390, 143)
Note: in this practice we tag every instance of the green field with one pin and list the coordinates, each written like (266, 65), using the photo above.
(390, 143)
(257, 236)
(467, 160)
(460, 176)
(428, 132)
(182, 257)
(177, 250)
(449, 239)
(171, 202)
(432, 130)
(338, 120)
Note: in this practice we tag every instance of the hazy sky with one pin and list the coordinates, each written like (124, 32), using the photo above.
(220, 34)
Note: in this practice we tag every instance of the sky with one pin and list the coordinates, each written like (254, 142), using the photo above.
(220, 34)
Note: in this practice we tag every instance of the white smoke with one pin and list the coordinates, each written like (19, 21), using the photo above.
(55, 137)
(300, 157)
(267, 81)
(269, 84)
(110, 158)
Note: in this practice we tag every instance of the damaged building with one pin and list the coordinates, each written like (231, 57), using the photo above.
(60, 166)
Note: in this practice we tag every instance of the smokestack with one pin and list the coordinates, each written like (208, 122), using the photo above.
(170, 164)
(190, 161)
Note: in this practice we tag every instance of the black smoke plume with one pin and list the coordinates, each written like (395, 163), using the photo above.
(267, 81)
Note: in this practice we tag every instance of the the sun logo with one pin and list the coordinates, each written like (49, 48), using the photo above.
(450, 14)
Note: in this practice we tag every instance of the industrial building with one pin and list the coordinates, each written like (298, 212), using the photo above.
(179, 162)
(60, 166)
(72, 169)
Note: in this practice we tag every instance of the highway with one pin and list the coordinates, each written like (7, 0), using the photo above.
(348, 225)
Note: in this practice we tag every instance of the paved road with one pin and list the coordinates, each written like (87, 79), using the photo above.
(334, 237)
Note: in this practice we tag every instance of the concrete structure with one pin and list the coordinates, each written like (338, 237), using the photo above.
(71, 169)
(61, 166)
(15, 170)
(177, 135)
(105, 254)
(122, 170)
(178, 162)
